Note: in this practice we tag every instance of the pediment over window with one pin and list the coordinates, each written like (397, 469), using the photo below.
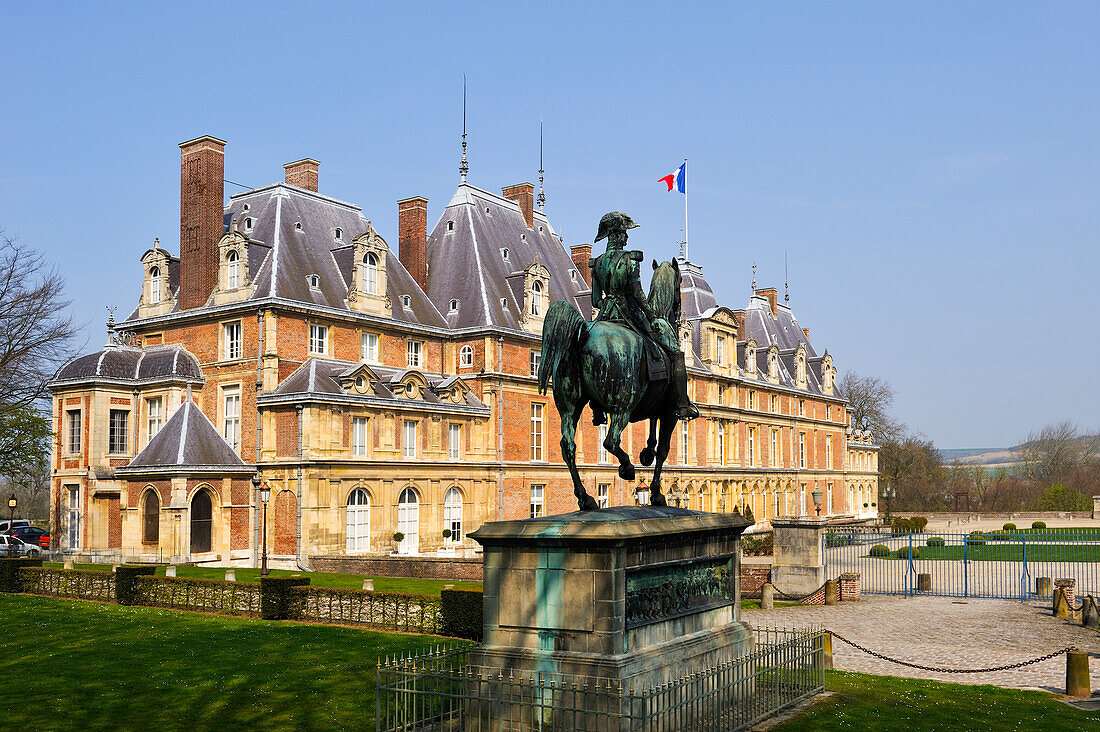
(750, 356)
(359, 380)
(233, 282)
(452, 389)
(536, 296)
(409, 384)
(156, 289)
(369, 291)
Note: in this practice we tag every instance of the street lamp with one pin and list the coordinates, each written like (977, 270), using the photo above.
(816, 493)
(11, 521)
(889, 492)
(265, 494)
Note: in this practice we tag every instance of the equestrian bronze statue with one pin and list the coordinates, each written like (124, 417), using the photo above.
(626, 363)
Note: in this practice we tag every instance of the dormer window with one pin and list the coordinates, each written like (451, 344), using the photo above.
(248, 223)
(454, 306)
(314, 282)
(246, 207)
(504, 303)
(573, 275)
(466, 356)
(370, 273)
(233, 270)
(154, 285)
(338, 233)
(450, 226)
(504, 254)
(488, 211)
(540, 229)
(536, 298)
(406, 301)
(297, 225)
(523, 237)
(410, 390)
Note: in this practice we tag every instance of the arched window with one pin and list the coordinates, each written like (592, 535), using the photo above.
(370, 273)
(150, 514)
(358, 522)
(154, 285)
(338, 233)
(536, 298)
(452, 514)
(466, 356)
(408, 522)
(233, 270)
(202, 522)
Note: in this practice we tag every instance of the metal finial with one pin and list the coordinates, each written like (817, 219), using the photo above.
(786, 282)
(754, 277)
(542, 194)
(111, 322)
(464, 166)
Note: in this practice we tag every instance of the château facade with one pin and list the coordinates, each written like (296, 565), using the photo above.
(384, 394)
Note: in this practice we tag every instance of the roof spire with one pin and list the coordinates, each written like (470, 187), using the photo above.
(542, 194)
(111, 338)
(786, 281)
(464, 166)
(754, 276)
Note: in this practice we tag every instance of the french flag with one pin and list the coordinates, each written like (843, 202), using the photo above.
(677, 179)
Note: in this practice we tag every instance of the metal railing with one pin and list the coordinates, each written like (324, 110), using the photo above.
(441, 690)
(985, 564)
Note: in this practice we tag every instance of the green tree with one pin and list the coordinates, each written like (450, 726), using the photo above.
(1063, 498)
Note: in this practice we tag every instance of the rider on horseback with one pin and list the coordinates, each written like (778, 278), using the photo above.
(617, 294)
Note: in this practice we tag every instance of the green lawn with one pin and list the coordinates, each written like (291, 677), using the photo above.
(869, 703)
(84, 665)
(317, 579)
(998, 552)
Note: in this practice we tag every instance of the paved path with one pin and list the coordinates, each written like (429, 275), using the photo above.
(944, 631)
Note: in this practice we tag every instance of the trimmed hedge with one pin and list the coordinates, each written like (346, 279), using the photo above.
(399, 611)
(903, 553)
(935, 541)
(880, 550)
(462, 613)
(80, 584)
(124, 582)
(278, 596)
(914, 525)
(1038, 524)
(754, 545)
(976, 538)
(203, 595)
(11, 580)
(1009, 527)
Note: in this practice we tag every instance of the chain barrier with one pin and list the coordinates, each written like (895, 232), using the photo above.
(796, 598)
(942, 670)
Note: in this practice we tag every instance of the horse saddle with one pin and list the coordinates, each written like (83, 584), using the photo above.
(656, 361)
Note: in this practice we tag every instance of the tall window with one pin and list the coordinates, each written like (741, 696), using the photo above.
(358, 522)
(752, 447)
(232, 333)
(828, 499)
(117, 437)
(408, 521)
(753, 403)
(536, 501)
(684, 443)
(775, 500)
(536, 298)
(150, 515)
(413, 352)
(535, 356)
(641, 496)
(828, 452)
(155, 417)
(721, 350)
(231, 415)
(774, 452)
(72, 445)
(74, 517)
(410, 438)
(370, 274)
(318, 339)
(775, 403)
(602, 491)
(359, 436)
(801, 449)
(802, 499)
(466, 356)
(202, 523)
(368, 348)
(233, 270)
(602, 454)
(536, 431)
(452, 514)
(454, 441)
(154, 285)
(721, 443)
(801, 407)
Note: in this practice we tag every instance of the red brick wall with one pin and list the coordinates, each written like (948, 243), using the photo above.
(582, 254)
(201, 173)
(524, 195)
(412, 238)
(286, 523)
(302, 173)
(468, 570)
(753, 577)
(286, 433)
(114, 523)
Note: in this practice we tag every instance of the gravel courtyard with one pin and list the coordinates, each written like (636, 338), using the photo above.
(948, 632)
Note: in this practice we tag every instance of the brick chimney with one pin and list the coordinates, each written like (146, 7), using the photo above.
(412, 238)
(806, 331)
(582, 255)
(302, 173)
(739, 324)
(773, 299)
(524, 195)
(202, 172)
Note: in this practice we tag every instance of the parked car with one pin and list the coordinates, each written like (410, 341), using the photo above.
(19, 548)
(5, 527)
(33, 535)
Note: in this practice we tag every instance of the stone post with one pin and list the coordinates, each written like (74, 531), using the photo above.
(68, 564)
(170, 570)
(1069, 587)
(832, 592)
(799, 566)
(924, 582)
(368, 584)
(827, 642)
(1043, 587)
(849, 586)
(1077, 674)
(230, 575)
(1096, 507)
(767, 596)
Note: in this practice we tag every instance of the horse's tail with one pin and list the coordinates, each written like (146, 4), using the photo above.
(562, 330)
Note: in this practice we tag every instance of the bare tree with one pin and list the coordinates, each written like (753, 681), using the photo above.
(869, 399)
(1056, 451)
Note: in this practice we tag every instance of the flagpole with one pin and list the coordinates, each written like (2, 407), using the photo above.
(685, 211)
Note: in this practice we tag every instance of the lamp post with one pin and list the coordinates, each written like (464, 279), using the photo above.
(265, 493)
(11, 521)
(889, 492)
(816, 493)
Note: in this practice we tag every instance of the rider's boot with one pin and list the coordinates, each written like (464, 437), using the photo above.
(685, 410)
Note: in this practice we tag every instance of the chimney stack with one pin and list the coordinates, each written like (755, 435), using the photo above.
(524, 195)
(202, 173)
(773, 299)
(412, 238)
(582, 255)
(806, 331)
(302, 173)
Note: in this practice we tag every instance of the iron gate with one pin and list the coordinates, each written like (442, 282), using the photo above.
(996, 564)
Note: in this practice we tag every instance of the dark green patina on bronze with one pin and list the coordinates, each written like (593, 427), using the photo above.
(663, 592)
(626, 363)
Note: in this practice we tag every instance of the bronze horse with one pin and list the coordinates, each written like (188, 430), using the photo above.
(603, 363)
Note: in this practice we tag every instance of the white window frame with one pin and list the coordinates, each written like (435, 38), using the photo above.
(602, 492)
(452, 515)
(536, 357)
(720, 350)
(154, 416)
(538, 433)
(370, 273)
(721, 443)
(74, 516)
(357, 540)
(538, 498)
(752, 447)
(318, 339)
(408, 438)
(231, 415)
(359, 436)
(232, 270)
(231, 340)
(466, 356)
(536, 299)
(454, 441)
(414, 353)
(685, 443)
(75, 431)
(114, 439)
(774, 453)
(603, 457)
(368, 347)
(154, 285)
(828, 452)
(801, 449)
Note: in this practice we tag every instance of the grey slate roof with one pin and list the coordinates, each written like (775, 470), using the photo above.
(465, 262)
(125, 363)
(188, 439)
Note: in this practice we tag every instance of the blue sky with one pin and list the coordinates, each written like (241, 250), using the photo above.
(931, 171)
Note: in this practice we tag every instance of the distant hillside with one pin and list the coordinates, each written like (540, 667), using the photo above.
(982, 456)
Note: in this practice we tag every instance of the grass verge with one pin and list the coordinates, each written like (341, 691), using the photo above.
(865, 702)
(84, 665)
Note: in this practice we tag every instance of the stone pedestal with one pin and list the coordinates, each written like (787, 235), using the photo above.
(799, 566)
(637, 595)
(1096, 507)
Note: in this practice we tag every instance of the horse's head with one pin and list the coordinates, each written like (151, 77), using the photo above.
(664, 291)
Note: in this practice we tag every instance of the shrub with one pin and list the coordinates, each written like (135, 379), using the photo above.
(462, 613)
(10, 578)
(446, 533)
(277, 596)
(976, 538)
(935, 541)
(1038, 524)
(920, 522)
(398, 536)
(905, 551)
(1009, 527)
(125, 592)
(880, 550)
(754, 545)
(203, 595)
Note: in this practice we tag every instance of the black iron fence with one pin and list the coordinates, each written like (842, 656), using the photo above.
(442, 691)
(379, 610)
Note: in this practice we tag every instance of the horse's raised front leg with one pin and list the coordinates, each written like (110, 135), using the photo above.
(648, 452)
(617, 422)
(668, 426)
